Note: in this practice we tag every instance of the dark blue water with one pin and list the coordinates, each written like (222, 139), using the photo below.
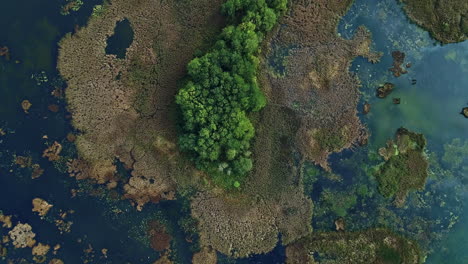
(118, 43)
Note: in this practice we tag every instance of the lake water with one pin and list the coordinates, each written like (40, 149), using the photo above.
(31, 30)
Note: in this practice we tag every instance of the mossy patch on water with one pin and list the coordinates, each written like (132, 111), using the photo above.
(405, 166)
(368, 246)
(446, 20)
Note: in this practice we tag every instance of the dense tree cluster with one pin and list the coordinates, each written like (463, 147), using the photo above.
(222, 88)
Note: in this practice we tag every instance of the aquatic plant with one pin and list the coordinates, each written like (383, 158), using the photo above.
(455, 153)
(446, 20)
(367, 246)
(222, 89)
(405, 167)
(98, 10)
(71, 5)
(338, 202)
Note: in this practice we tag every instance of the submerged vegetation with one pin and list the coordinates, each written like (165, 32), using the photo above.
(222, 89)
(405, 166)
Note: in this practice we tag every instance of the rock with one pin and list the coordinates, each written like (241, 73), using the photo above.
(22, 236)
(26, 105)
(396, 100)
(464, 112)
(385, 90)
(41, 206)
(408, 65)
(366, 108)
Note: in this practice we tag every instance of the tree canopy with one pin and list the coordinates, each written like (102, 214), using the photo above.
(222, 89)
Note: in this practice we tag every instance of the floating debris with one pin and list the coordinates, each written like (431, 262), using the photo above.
(396, 100)
(385, 90)
(26, 105)
(413, 81)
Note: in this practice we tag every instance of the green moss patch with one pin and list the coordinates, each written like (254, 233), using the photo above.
(370, 246)
(446, 20)
(405, 166)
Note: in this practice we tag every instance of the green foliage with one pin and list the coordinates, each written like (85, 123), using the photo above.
(388, 255)
(98, 10)
(339, 202)
(361, 247)
(71, 5)
(310, 176)
(222, 89)
(331, 141)
(406, 168)
(363, 191)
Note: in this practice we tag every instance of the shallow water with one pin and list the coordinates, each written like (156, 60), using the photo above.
(430, 106)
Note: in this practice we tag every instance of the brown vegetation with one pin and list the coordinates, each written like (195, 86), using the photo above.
(446, 20)
(124, 107)
(160, 240)
(52, 153)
